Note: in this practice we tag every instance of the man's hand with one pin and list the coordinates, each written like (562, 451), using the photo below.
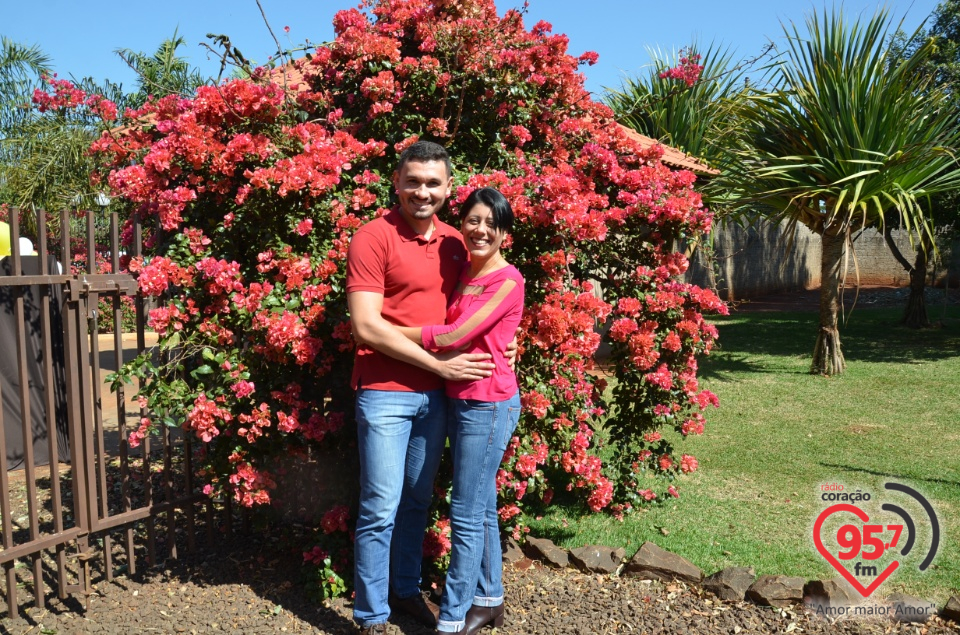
(510, 354)
(456, 366)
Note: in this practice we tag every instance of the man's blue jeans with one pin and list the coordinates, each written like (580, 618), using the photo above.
(479, 432)
(401, 437)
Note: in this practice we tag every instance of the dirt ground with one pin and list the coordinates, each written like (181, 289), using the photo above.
(253, 585)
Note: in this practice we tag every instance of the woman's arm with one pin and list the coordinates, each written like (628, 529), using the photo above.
(493, 304)
(412, 333)
(370, 327)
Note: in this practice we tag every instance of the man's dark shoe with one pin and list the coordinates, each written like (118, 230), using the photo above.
(479, 616)
(417, 606)
(376, 629)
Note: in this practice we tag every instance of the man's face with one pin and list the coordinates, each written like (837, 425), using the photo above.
(422, 187)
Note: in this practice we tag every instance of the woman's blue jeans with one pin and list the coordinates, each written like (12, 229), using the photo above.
(400, 437)
(479, 432)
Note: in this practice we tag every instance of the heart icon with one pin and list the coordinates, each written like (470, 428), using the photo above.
(829, 557)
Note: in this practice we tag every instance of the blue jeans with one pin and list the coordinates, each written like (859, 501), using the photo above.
(479, 432)
(401, 437)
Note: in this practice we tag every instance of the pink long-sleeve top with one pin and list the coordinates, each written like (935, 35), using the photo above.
(484, 314)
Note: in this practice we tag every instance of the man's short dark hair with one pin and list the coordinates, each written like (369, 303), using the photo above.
(424, 151)
(500, 207)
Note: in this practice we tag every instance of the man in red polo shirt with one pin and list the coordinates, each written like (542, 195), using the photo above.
(401, 269)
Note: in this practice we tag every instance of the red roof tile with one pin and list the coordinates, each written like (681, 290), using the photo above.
(672, 156)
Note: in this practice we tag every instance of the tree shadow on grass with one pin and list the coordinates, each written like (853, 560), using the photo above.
(786, 334)
(885, 340)
(725, 366)
(747, 337)
(904, 477)
(869, 335)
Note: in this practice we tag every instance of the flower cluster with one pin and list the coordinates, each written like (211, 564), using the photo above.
(688, 70)
(436, 548)
(331, 553)
(255, 192)
(66, 95)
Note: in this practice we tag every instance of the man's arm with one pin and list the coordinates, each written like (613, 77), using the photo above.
(370, 328)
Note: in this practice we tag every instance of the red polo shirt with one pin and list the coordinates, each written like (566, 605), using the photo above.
(416, 277)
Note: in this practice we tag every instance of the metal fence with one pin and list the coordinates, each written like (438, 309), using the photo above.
(101, 502)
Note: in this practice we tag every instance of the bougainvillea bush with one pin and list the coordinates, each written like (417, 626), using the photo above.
(257, 185)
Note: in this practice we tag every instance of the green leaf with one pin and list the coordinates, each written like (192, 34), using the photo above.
(208, 354)
(206, 369)
(171, 342)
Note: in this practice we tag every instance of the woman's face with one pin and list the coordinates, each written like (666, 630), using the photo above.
(482, 240)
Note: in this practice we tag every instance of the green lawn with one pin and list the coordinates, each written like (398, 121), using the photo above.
(781, 433)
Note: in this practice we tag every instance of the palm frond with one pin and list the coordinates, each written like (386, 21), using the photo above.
(21, 69)
(686, 118)
(845, 126)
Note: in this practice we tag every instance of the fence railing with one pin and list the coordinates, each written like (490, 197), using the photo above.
(73, 492)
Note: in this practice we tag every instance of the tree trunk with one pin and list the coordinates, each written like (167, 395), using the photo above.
(827, 356)
(708, 255)
(915, 315)
(710, 260)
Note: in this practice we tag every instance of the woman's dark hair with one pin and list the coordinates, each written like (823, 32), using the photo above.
(497, 202)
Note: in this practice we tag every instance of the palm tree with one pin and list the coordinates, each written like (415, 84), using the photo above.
(21, 70)
(43, 158)
(50, 166)
(943, 66)
(162, 73)
(689, 118)
(842, 138)
(45, 162)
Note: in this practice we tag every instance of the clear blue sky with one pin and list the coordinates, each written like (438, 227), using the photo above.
(81, 36)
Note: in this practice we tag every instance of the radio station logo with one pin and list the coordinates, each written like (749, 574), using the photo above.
(867, 549)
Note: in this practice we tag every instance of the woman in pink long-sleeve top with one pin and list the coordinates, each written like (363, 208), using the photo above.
(483, 317)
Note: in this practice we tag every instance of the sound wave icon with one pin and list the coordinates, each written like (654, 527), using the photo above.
(910, 525)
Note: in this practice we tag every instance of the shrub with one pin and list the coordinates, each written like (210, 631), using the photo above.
(257, 185)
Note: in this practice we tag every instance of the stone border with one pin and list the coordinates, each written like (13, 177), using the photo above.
(830, 598)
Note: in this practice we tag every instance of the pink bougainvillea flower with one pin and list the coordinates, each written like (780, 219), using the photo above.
(250, 192)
